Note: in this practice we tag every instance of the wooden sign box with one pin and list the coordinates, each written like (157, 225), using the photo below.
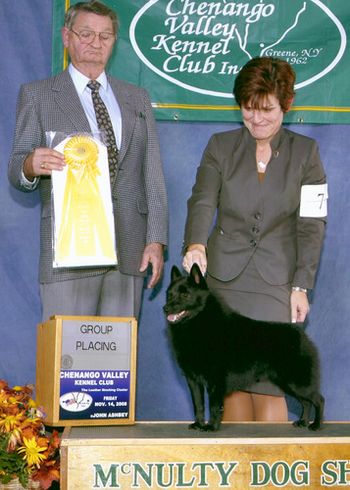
(154, 455)
(86, 370)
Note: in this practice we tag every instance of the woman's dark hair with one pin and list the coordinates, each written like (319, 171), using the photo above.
(92, 7)
(265, 76)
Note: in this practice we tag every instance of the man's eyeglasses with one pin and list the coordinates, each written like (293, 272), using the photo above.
(87, 37)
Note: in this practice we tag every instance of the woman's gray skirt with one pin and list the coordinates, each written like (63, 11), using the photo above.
(251, 296)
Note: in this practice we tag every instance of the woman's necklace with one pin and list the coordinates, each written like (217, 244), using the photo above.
(263, 154)
(262, 166)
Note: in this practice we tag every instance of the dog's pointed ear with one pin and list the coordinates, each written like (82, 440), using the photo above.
(175, 273)
(197, 276)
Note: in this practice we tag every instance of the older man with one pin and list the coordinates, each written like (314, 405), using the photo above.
(64, 103)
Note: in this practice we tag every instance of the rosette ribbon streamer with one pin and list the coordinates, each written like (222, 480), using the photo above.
(84, 226)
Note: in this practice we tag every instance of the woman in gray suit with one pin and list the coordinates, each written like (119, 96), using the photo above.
(267, 188)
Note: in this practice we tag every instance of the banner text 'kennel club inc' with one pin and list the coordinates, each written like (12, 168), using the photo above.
(187, 53)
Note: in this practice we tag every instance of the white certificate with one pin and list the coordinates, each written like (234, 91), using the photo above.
(313, 201)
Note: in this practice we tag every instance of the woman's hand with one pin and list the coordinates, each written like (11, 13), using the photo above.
(299, 306)
(196, 254)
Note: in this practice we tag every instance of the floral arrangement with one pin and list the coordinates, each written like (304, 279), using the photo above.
(26, 452)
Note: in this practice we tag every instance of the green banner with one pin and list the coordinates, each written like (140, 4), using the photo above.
(186, 53)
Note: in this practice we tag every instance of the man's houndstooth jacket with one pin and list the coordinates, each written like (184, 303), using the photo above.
(138, 192)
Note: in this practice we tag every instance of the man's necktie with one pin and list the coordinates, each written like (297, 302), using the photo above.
(104, 123)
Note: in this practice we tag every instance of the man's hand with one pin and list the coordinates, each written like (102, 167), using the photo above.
(42, 161)
(153, 255)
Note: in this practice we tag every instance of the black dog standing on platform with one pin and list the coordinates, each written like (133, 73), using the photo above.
(221, 351)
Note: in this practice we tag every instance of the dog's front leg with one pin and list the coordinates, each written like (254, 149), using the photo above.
(216, 401)
(197, 394)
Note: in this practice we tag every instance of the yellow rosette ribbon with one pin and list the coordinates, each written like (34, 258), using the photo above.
(84, 226)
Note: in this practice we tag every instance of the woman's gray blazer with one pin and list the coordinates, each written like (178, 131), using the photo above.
(252, 217)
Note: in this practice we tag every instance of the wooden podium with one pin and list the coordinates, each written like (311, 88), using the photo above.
(154, 455)
(86, 370)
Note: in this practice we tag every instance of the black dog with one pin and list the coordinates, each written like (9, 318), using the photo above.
(222, 351)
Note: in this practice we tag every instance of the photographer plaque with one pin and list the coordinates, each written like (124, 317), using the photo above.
(94, 380)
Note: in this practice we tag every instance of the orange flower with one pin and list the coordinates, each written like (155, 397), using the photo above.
(14, 439)
(25, 450)
(47, 474)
